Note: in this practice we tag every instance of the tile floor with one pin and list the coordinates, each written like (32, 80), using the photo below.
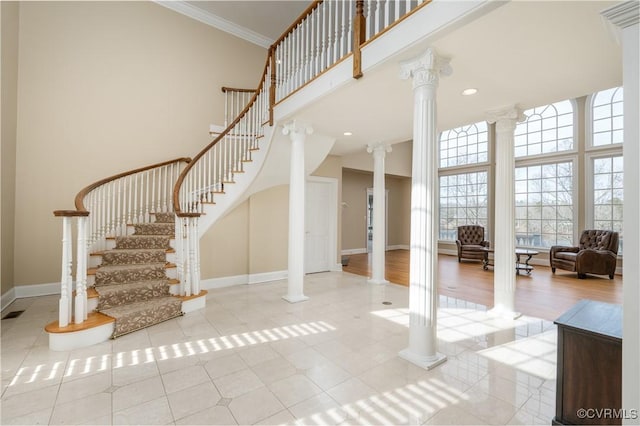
(252, 358)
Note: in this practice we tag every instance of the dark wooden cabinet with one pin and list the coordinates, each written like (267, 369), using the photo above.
(589, 364)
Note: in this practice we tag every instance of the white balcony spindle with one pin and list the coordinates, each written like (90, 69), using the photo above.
(81, 273)
(386, 13)
(64, 304)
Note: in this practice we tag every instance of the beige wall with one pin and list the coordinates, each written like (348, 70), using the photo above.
(397, 162)
(354, 211)
(354, 194)
(9, 12)
(250, 239)
(269, 230)
(105, 87)
(399, 210)
(253, 237)
(224, 248)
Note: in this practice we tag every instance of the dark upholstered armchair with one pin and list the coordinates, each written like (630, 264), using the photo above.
(596, 253)
(471, 242)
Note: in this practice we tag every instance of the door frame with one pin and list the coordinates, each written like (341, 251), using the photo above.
(332, 241)
(386, 220)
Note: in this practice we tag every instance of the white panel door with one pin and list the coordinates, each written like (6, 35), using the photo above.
(319, 206)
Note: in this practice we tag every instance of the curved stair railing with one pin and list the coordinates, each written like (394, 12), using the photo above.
(325, 34)
(104, 209)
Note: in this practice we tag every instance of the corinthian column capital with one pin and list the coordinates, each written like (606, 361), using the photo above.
(507, 118)
(296, 129)
(426, 68)
(378, 148)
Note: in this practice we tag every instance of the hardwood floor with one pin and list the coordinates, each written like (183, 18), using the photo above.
(541, 294)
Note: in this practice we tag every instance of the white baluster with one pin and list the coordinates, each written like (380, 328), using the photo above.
(324, 61)
(407, 6)
(186, 287)
(377, 18)
(397, 15)
(343, 7)
(350, 27)
(386, 13)
(336, 32)
(178, 249)
(193, 256)
(64, 305)
(367, 14)
(81, 272)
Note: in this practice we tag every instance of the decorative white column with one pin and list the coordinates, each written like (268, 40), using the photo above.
(625, 16)
(504, 272)
(297, 133)
(423, 267)
(379, 151)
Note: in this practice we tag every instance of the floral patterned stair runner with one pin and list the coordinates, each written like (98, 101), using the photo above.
(132, 283)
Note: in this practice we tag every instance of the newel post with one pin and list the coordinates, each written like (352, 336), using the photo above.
(65, 304)
(359, 37)
(188, 253)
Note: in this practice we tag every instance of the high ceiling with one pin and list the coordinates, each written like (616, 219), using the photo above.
(528, 53)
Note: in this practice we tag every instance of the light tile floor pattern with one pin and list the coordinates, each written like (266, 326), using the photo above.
(252, 358)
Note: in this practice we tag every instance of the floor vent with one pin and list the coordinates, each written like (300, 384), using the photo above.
(12, 314)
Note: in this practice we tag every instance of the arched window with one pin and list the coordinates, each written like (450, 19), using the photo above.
(464, 190)
(546, 130)
(464, 145)
(607, 117)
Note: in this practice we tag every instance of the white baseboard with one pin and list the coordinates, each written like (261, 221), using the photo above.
(398, 247)
(354, 251)
(268, 276)
(336, 268)
(364, 250)
(37, 290)
(8, 298)
(263, 277)
(222, 282)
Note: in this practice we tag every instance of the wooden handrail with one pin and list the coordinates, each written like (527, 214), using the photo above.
(297, 22)
(234, 89)
(79, 200)
(176, 189)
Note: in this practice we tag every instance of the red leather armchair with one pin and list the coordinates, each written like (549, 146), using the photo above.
(470, 242)
(597, 253)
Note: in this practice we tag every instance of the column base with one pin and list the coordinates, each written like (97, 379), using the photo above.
(499, 312)
(377, 282)
(295, 299)
(426, 362)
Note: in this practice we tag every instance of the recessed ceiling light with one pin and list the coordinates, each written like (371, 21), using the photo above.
(469, 92)
(347, 133)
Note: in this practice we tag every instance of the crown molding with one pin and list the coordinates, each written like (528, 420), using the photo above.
(624, 14)
(215, 21)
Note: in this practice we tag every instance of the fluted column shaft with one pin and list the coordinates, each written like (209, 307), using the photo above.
(379, 152)
(423, 267)
(504, 275)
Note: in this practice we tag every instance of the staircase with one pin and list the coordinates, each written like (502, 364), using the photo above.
(132, 284)
(130, 289)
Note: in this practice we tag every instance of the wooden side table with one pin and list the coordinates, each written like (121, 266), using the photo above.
(589, 378)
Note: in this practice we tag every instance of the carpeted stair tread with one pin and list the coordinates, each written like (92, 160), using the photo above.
(111, 296)
(121, 274)
(133, 256)
(165, 217)
(138, 315)
(144, 242)
(154, 229)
